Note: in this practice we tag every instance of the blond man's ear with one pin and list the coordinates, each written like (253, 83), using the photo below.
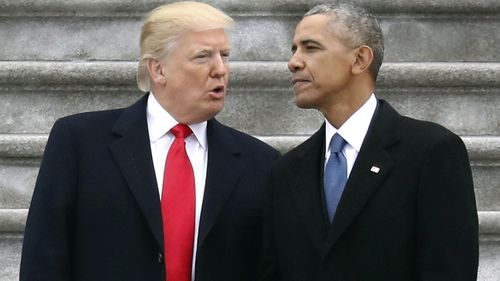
(156, 71)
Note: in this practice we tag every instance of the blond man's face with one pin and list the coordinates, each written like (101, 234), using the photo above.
(197, 74)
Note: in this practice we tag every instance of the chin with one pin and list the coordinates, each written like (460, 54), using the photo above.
(302, 103)
(215, 108)
(210, 113)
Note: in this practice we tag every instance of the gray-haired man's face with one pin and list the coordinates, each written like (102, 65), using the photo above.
(321, 64)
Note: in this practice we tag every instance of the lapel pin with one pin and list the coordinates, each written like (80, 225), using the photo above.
(375, 169)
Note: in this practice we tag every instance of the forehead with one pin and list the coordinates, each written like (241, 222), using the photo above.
(313, 27)
(215, 38)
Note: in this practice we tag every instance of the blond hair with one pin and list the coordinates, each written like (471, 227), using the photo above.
(164, 25)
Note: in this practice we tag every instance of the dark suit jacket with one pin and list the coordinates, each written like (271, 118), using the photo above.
(95, 213)
(415, 219)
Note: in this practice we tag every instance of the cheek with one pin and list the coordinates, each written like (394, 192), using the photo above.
(334, 69)
(197, 77)
(189, 72)
(187, 82)
(321, 69)
(323, 76)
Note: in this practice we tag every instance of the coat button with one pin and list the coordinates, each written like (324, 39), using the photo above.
(160, 258)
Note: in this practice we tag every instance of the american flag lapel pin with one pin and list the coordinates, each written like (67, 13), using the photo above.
(375, 169)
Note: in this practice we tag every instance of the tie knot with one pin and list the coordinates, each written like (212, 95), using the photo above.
(181, 131)
(337, 143)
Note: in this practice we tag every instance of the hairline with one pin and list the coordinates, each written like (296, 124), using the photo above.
(180, 25)
(339, 29)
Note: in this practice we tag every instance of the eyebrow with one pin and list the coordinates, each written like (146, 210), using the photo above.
(210, 49)
(305, 42)
(309, 41)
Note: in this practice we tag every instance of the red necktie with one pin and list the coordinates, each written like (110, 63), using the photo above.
(177, 207)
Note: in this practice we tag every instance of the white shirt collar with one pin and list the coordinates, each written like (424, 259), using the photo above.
(354, 130)
(160, 122)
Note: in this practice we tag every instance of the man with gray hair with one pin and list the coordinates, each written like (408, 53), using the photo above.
(372, 195)
(159, 190)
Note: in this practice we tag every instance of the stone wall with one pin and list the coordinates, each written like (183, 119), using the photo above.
(59, 57)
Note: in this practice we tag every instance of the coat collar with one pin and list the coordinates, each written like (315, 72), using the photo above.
(372, 165)
(362, 183)
(132, 153)
(131, 150)
(307, 185)
(224, 169)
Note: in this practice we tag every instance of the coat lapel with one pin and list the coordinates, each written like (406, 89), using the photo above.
(372, 165)
(132, 153)
(223, 172)
(307, 175)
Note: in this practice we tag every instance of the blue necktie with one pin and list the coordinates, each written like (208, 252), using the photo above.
(335, 175)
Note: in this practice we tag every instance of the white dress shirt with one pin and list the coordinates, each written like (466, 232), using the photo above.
(159, 124)
(353, 131)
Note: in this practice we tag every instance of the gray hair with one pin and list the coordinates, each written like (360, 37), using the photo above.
(357, 28)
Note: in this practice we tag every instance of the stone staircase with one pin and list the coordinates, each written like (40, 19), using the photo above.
(59, 57)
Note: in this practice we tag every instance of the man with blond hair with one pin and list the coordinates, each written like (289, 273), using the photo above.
(159, 190)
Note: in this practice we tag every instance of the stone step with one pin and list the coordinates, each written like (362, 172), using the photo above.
(20, 157)
(255, 7)
(10, 256)
(34, 94)
(109, 30)
(481, 149)
(13, 220)
(244, 74)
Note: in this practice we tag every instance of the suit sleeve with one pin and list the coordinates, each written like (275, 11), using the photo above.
(447, 224)
(46, 253)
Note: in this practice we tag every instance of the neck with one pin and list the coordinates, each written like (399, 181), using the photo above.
(344, 105)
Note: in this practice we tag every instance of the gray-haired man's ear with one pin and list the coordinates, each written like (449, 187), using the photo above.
(363, 60)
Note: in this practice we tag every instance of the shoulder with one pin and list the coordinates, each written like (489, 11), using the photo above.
(309, 152)
(88, 121)
(104, 120)
(243, 140)
(426, 133)
(90, 118)
(418, 134)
